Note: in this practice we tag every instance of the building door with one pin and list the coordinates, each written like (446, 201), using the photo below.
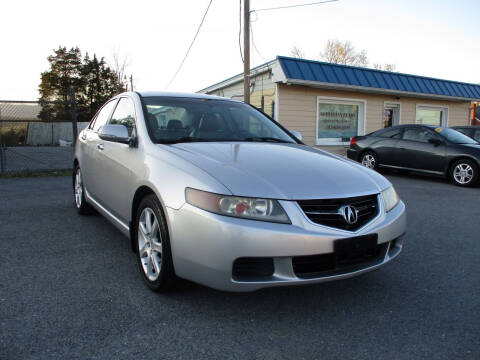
(391, 115)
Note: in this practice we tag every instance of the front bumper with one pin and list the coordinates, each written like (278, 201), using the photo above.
(205, 245)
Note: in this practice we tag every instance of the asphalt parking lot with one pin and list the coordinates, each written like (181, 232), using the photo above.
(70, 288)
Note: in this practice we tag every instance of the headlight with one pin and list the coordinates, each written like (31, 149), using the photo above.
(390, 198)
(242, 207)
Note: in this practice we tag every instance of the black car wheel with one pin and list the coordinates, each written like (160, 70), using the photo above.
(369, 160)
(464, 172)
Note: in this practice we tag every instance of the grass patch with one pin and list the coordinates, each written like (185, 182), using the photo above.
(29, 173)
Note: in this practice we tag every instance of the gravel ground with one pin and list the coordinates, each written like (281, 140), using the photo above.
(70, 288)
(38, 158)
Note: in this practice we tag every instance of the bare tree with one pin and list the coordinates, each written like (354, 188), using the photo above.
(297, 52)
(344, 53)
(120, 66)
(385, 67)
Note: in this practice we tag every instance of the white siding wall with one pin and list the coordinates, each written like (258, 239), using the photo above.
(263, 86)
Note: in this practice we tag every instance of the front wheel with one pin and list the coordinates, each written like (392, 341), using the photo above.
(464, 172)
(369, 160)
(154, 254)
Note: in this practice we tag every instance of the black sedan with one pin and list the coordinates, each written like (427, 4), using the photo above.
(420, 148)
(471, 131)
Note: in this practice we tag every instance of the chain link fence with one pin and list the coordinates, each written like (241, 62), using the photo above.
(29, 144)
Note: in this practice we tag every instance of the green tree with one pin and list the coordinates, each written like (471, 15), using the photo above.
(55, 84)
(100, 84)
(93, 80)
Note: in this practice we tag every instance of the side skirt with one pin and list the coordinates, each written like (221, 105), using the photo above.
(120, 225)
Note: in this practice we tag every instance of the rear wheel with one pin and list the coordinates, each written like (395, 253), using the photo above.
(464, 172)
(369, 160)
(83, 208)
(154, 254)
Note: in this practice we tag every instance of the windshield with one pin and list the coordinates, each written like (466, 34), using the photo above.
(455, 136)
(172, 120)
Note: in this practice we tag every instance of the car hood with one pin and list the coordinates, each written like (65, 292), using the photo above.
(280, 171)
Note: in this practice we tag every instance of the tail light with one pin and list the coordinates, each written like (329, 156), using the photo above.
(353, 141)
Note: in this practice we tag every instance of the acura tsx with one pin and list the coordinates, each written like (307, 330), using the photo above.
(214, 191)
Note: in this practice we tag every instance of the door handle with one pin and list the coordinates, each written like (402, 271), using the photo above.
(100, 146)
(84, 137)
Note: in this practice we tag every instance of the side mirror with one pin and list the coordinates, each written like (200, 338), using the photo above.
(435, 142)
(116, 133)
(297, 134)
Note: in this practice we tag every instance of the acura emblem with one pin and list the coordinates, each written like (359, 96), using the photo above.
(349, 213)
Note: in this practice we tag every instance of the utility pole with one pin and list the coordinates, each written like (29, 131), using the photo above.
(246, 51)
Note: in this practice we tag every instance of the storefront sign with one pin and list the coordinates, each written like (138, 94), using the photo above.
(337, 120)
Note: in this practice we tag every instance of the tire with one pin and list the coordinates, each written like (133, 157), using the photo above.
(464, 172)
(152, 245)
(83, 208)
(370, 160)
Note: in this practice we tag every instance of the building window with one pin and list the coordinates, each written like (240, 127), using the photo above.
(339, 120)
(432, 115)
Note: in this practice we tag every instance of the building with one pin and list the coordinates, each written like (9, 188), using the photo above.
(330, 103)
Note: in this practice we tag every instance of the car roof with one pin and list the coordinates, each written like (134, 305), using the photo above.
(182, 95)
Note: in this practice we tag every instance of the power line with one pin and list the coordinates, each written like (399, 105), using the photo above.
(240, 30)
(292, 6)
(190, 47)
(254, 45)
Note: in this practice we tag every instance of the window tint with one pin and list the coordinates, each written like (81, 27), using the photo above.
(103, 115)
(172, 119)
(391, 133)
(463, 131)
(418, 134)
(476, 135)
(124, 114)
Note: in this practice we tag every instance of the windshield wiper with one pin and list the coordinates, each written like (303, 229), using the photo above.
(183, 139)
(266, 139)
(192, 139)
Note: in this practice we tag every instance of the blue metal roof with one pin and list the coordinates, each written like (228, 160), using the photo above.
(344, 75)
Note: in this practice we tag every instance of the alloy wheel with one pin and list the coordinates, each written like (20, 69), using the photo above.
(463, 173)
(368, 161)
(150, 244)
(78, 188)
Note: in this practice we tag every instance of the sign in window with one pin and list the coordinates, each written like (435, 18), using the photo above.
(337, 121)
(435, 116)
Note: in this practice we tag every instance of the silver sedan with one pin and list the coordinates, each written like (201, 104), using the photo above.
(214, 191)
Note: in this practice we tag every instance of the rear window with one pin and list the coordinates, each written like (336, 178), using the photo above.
(389, 133)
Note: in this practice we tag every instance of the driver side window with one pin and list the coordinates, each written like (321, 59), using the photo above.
(418, 134)
(124, 114)
(103, 115)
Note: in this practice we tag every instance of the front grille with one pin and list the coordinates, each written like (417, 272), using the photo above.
(343, 259)
(252, 268)
(326, 211)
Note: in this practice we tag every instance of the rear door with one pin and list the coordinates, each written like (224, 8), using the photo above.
(90, 142)
(416, 152)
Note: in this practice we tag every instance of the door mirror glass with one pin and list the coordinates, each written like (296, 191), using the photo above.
(297, 134)
(115, 133)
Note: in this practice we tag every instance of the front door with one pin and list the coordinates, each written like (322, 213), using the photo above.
(418, 153)
(119, 163)
(391, 115)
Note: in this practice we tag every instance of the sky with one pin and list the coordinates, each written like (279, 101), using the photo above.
(438, 38)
